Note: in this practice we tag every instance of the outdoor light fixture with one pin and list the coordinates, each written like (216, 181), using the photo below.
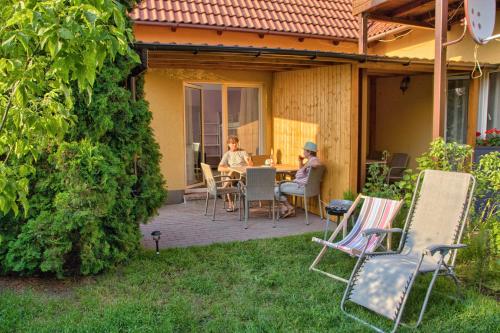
(156, 236)
(405, 82)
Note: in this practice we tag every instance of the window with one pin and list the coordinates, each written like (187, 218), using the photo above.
(493, 110)
(489, 103)
(243, 117)
(458, 106)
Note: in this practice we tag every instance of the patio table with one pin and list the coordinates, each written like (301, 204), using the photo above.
(368, 162)
(280, 168)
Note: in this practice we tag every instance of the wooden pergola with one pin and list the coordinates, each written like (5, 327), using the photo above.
(427, 14)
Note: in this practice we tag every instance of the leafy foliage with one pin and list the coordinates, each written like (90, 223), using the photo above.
(93, 175)
(376, 184)
(482, 257)
(90, 192)
(44, 46)
(89, 195)
(446, 156)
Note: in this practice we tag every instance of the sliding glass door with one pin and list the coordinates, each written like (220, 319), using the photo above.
(214, 111)
(194, 134)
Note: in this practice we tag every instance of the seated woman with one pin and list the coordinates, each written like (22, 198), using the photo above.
(310, 151)
(234, 157)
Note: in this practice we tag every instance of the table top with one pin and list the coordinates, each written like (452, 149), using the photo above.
(375, 162)
(280, 168)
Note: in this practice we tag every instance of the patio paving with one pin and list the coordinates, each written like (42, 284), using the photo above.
(184, 225)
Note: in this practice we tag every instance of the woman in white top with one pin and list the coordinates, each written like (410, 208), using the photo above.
(234, 157)
(310, 151)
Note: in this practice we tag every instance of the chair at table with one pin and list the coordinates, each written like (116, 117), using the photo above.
(382, 281)
(311, 189)
(259, 186)
(215, 189)
(397, 166)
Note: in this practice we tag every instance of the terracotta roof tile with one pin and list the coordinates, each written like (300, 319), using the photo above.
(321, 18)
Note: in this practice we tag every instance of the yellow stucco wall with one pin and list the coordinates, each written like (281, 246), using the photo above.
(420, 44)
(164, 92)
(404, 121)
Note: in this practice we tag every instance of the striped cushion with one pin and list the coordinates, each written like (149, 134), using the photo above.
(375, 213)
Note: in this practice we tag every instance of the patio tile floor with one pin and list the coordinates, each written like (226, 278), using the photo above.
(184, 225)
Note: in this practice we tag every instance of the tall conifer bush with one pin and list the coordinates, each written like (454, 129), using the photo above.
(91, 191)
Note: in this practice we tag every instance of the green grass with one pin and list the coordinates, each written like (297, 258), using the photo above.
(255, 286)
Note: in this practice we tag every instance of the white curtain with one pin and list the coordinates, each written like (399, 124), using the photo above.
(493, 115)
(244, 117)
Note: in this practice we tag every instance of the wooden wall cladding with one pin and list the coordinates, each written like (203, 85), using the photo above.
(316, 105)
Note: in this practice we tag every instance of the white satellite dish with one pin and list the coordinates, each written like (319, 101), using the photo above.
(480, 16)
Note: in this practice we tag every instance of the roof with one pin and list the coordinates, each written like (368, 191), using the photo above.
(331, 19)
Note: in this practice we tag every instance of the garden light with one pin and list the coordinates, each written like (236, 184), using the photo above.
(156, 236)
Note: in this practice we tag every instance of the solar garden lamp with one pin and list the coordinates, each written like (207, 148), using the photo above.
(156, 236)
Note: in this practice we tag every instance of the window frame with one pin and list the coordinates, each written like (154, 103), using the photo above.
(482, 113)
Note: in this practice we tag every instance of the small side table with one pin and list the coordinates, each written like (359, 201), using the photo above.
(337, 208)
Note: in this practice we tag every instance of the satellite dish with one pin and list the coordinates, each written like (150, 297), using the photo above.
(480, 16)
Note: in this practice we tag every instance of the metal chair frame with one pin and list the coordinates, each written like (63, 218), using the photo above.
(442, 267)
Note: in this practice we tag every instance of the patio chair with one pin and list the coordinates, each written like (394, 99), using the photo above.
(259, 187)
(375, 213)
(382, 281)
(311, 189)
(214, 189)
(397, 166)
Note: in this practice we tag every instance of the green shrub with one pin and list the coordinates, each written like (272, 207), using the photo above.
(89, 194)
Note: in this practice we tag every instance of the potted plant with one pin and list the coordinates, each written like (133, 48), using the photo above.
(488, 143)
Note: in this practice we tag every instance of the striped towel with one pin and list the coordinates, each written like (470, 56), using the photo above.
(375, 213)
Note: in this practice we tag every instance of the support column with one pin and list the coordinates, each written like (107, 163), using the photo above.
(440, 77)
(362, 34)
(364, 124)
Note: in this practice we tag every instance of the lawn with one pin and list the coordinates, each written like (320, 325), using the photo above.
(254, 286)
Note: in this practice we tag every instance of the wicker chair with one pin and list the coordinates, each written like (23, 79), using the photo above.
(214, 189)
(311, 189)
(259, 187)
(397, 166)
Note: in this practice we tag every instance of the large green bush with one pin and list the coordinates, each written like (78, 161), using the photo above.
(89, 193)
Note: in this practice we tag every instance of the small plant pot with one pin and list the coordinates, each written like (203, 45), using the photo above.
(483, 150)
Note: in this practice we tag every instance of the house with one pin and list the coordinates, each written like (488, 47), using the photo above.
(279, 73)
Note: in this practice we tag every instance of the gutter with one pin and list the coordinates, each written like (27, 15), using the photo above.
(311, 55)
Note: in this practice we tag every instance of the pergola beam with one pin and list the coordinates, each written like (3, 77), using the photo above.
(411, 23)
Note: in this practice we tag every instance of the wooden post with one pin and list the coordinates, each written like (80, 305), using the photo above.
(364, 124)
(372, 115)
(473, 108)
(362, 33)
(440, 77)
(353, 181)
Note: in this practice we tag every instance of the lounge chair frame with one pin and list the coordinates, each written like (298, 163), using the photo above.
(442, 267)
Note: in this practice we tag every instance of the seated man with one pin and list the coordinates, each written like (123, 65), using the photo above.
(234, 157)
(310, 151)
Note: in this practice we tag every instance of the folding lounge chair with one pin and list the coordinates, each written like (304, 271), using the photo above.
(382, 282)
(375, 213)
